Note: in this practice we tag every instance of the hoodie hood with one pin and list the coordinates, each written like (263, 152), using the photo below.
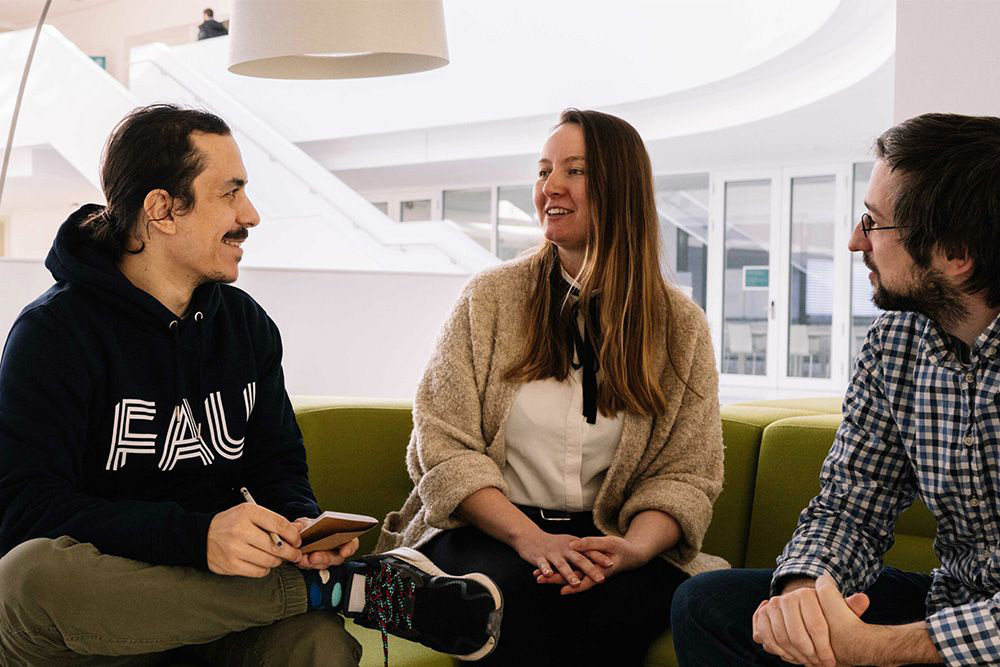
(126, 427)
(74, 258)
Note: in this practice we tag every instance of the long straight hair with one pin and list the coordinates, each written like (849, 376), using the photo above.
(621, 271)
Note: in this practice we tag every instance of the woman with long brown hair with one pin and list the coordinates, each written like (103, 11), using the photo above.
(566, 438)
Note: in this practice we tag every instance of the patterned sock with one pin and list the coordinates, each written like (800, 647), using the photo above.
(325, 588)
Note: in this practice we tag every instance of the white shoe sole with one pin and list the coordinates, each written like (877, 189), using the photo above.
(422, 562)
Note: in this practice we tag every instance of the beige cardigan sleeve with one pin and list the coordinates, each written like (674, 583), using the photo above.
(684, 473)
(446, 456)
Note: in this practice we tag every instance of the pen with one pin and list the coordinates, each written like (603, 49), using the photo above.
(274, 536)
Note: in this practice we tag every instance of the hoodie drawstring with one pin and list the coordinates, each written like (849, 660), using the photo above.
(175, 328)
(199, 331)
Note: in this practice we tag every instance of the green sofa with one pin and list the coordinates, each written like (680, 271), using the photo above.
(774, 450)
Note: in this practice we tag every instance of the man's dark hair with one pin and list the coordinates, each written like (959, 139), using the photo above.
(149, 149)
(209, 13)
(948, 196)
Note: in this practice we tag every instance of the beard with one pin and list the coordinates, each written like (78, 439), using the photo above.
(930, 295)
(216, 277)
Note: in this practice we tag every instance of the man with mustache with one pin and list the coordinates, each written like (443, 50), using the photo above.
(138, 395)
(921, 416)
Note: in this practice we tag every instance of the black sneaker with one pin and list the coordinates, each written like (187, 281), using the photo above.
(408, 596)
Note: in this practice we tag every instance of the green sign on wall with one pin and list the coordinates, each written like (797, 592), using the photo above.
(755, 277)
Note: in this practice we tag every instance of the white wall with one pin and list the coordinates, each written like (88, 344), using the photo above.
(353, 333)
(21, 280)
(344, 333)
(32, 230)
(947, 57)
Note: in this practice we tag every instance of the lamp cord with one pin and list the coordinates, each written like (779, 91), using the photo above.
(20, 95)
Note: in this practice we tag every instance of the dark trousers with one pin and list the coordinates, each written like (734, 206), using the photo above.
(712, 613)
(611, 624)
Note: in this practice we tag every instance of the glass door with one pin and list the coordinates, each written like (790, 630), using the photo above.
(742, 263)
(815, 274)
(863, 311)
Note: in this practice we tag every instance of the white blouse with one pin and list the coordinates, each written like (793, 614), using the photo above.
(555, 459)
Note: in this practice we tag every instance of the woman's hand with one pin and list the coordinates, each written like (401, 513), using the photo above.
(615, 554)
(554, 556)
(651, 532)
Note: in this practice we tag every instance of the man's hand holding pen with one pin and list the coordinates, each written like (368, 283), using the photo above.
(239, 542)
(249, 540)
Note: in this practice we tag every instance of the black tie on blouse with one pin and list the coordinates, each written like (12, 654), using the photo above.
(584, 346)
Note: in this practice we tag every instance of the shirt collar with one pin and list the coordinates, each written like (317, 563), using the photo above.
(938, 347)
(989, 338)
(569, 279)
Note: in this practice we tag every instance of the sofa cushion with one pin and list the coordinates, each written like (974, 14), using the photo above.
(402, 653)
(823, 405)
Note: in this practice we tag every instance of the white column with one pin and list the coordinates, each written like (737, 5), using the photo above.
(947, 57)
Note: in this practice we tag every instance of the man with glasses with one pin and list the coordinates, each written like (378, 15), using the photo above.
(921, 416)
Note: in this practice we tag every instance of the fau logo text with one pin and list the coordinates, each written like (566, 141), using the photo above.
(184, 434)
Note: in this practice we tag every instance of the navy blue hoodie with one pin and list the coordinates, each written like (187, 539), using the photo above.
(129, 428)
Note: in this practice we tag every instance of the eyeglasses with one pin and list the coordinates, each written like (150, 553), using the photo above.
(868, 225)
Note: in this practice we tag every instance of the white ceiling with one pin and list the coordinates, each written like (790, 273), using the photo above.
(519, 58)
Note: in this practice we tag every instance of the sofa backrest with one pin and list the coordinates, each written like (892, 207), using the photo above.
(742, 430)
(356, 451)
(356, 454)
(791, 453)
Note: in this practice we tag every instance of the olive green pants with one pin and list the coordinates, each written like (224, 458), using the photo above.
(62, 602)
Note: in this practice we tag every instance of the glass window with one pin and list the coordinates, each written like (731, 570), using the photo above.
(810, 282)
(746, 281)
(682, 206)
(863, 311)
(518, 229)
(470, 210)
(415, 210)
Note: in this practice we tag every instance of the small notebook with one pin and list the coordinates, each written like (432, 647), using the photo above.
(331, 529)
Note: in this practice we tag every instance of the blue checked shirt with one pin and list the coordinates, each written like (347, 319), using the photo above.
(917, 420)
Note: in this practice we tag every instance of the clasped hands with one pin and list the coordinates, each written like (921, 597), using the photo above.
(239, 543)
(577, 563)
(814, 625)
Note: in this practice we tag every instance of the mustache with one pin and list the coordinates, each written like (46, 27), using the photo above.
(867, 259)
(240, 234)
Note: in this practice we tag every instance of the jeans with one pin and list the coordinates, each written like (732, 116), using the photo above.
(712, 613)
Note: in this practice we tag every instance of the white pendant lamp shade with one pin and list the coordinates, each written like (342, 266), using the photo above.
(336, 39)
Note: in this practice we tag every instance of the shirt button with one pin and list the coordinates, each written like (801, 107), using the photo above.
(969, 440)
(991, 351)
(974, 502)
(969, 377)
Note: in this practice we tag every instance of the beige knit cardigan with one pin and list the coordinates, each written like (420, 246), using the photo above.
(672, 463)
